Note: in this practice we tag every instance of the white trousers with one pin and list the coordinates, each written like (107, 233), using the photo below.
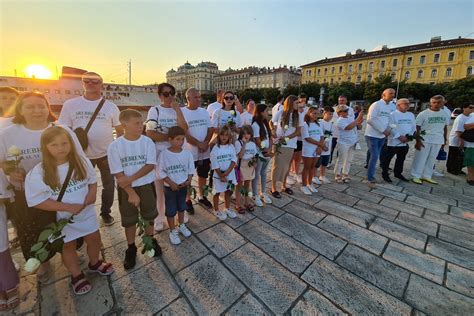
(424, 160)
(344, 159)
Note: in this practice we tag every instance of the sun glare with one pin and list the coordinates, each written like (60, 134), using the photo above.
(38, 71)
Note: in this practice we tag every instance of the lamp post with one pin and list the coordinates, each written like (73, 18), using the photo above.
(321, 96)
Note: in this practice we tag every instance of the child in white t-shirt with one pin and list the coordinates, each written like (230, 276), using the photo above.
(176, 169)
(42, 187)
(328, 129)
(246, 151)
(223, 162)
(132, 160)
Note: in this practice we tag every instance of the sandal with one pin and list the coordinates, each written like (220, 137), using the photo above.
(12, 299)
(338, 179)
(250, 208)
(102, 267)
(276, 194)
(80, 285)
(346, 179)
(289, 191)
(240, 210)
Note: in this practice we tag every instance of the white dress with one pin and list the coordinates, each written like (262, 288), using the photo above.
(221, 158)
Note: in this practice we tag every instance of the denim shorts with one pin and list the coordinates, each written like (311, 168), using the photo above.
(175, 201)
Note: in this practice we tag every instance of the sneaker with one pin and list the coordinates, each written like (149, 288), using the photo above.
(416, 180)
(429, 181)
(324, 180)
(306, 190)
(174, 237)
(230, 213)
(290, 181)
(258, 201)
(107, 219)
(189, 207)
(299, 178)
(205, 202)
(220, 215)
(438, 174)
(266, 199)
(312, 188)
(184, 230)
(130, 257)
(316, 181)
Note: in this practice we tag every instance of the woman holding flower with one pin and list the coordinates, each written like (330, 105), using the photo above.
(228, 114)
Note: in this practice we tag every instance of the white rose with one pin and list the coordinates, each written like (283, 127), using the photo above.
(232, 112)
(14, 151)
(393, 125)
(264, 144)
(250, 194)
(32, 265)
(150, 253)
(286, 127)
(287, 139)
(151, 125)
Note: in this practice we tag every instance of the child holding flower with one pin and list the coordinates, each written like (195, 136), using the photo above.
(247, 156)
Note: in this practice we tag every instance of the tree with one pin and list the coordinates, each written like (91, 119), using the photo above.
(294, 90)
(254, 94)
(270, 95)
(373, 90)
(460, 92)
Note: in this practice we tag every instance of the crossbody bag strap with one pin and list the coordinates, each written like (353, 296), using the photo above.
(93, 117)
(65, 183)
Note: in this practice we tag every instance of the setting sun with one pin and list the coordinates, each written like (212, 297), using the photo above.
(38, 71)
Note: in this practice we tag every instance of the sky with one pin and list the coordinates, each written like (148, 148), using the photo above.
(102, 36)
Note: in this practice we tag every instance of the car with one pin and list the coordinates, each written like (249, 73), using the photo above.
(456, 112)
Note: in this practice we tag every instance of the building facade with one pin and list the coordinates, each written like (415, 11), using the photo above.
(433, 62)
(233, 80)
(200, 77)
(280, 77)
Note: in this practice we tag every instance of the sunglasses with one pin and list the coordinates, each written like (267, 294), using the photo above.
(93, 81)
(229, 98)
(167, 93)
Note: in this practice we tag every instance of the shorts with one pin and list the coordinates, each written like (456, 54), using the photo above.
(299, 146)
(175, 201)
(323, 161)
(129, 213)
(203, 167)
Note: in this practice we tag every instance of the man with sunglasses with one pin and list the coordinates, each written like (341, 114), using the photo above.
(76, 113)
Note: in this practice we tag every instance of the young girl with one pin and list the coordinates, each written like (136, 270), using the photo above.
(246, 161)
(328, 129)
(262, 137)
(223, 162)
(43, 184)
(313, 145)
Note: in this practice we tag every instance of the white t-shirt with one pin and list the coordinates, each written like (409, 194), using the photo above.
(77, 112)
(166, 118)
(276, 108)
(220, 117)
(433, 123)
(250, 149)
(176, 166)
(256, 133)
(129, 156)
(198, 124)
(470, 120)
(291, 129)
(346, 137)
(448, 113)
(37, 192)
(313, 131)
(212, 107)
(327, 127)
(378, 119)
(458, 126)
(246, 118)
(5, 194)
(221, 158)
(401, 124)
(304, 114)
(5, 122)
(335, 117)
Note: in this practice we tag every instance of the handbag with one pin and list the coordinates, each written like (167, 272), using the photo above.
(81, 133)
(442, 155)
(468, 135)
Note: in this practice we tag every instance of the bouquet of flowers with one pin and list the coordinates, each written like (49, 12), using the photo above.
(244, 192)
(231, 119)
(148, 247)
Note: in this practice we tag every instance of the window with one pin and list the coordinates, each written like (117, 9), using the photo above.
(339, 79)
(469, 71)
(333, 70)
(57, 91)
(451, 56)
(436, 58)
(434, 73)
(360, 67)
(395, 62)
(407, 75)
(332, 81)
(350, 68)
(340, 69)
(67, 91)
(422, 59)
(371, 66)
(349, 78)
(325, 71)
(409, 61)
(448, 72)
(359, 78)
(319, 72)
(471, 54)
(369, 78)
(393, 76)
(382, 64)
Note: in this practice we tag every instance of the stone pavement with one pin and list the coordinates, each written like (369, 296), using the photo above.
(349, 249)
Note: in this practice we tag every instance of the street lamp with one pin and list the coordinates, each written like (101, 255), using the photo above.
(321, 96)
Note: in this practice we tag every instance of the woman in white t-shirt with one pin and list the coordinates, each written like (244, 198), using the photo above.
(160, 118)
(227, 115)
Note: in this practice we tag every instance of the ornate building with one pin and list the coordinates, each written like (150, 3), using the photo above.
(234, 80)
(200, 77)
(280, 77)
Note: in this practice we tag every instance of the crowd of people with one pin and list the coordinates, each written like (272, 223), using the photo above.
(48, 164)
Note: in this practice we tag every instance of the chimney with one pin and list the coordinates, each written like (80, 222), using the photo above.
(384, 47)
(348, 54)
(435, 39)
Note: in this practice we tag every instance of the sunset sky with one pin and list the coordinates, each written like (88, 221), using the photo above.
(159, 35)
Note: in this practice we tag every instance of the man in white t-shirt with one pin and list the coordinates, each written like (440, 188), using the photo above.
(216, 105)
(77, 112)
(454, 163)
(247, 116)
(341, 100)
(278, 106)
(447, 112)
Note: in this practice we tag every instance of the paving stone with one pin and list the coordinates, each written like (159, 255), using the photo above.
(359, 186)
(364, 195)
(333, 186)
(290, 253)
(376, 209)
(433, 299)
(58, 298)
(351, 214)
(240, 220)
(436, 206)
(456, 237)
(284, 200)
(221, 239)
(464, 204)
(451, 221)
(178, 257)
(460, 280)
(462, 212)
(267, 212)
(453, 193)
(390, 193)
(312, 236)
(248, 305)
(435, 198)
(112, 235)
(411, 187)
(417, 223)
(340, 197)
(305, 212)
(178, 307)
(374, 269)
(351, 292)
(451, 253)
(307, 199)
(269, 281)
(313, 303)
(354, 234)
(423, 264)
(201, 220)
(389, 187)
(209, 286)
(400, 233)
(402, 206)
(59, 270)
(28, 295)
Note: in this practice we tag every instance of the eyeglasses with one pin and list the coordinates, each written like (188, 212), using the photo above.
(229, 98)
(167, 93)
(93, 81)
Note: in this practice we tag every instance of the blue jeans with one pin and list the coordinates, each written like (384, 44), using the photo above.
(374, 145)
(260, 175)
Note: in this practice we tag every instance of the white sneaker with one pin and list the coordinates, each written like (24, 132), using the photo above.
(316, 181)
(174, 237)
(299, 178)
(312, 188)
(230, 213)
(290, 181)
(324, 180)
(438, 174)
(184, 230)
(258, 201)
(305, 190)
(220, 215)
(266, 199)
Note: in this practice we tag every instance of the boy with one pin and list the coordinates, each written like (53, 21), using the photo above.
(8, 98)
(328, 130)
(176, 169)
(132, 160)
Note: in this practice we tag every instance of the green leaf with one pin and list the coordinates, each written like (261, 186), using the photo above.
(45, 234)
(43, 256)
(37, 247)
